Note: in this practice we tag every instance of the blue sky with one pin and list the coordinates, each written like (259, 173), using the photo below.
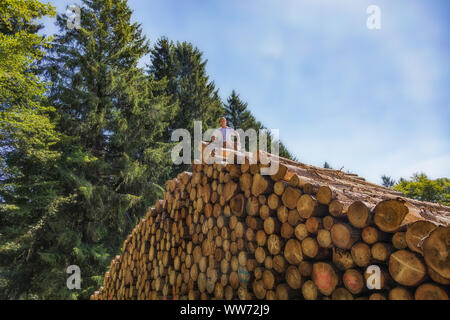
(372, 101)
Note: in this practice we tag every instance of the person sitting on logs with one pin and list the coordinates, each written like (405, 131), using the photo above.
(230, 137)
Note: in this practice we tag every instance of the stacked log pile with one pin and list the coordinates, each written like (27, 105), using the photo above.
(225, 231)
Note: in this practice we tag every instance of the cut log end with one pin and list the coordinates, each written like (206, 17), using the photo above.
(436, 251)
(358, 214)
(324, 195)
(407, 268)
(343, 235)
(389, 215)
(430, 291)
(417, 232)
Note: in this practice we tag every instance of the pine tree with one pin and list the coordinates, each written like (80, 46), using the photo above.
(239, 117)
(183, 66)
(27, 142)
(387, 181)
(237, 114)
(112, 117)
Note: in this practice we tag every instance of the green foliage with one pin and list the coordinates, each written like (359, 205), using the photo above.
(184, 68)
(28, 139)
(239, 117)
(237, 114)
(421, 188)
(83, 155)
(24, 120)
(112, 120)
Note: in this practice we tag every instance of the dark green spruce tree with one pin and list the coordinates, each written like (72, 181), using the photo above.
(237, 113)
(112, 118)
(184, 68)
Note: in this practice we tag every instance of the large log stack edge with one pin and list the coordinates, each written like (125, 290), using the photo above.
(225, 231)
